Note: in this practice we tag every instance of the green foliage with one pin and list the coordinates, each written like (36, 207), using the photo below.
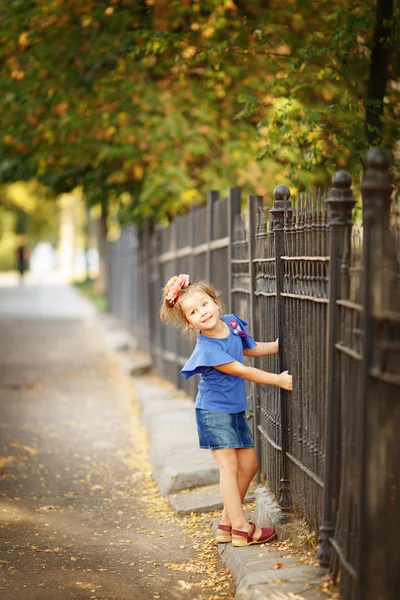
(151, 104)
(8, 240)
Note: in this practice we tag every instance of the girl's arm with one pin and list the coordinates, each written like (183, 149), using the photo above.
(262, 349)
(283, 380)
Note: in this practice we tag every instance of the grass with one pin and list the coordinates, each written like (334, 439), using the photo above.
(89, 289)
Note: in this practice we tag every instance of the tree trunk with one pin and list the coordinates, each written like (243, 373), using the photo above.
(378, 71)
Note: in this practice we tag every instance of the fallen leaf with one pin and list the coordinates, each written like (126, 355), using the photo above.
(5, 459)
(31, 451)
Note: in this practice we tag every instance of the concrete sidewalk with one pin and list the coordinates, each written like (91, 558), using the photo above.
(189, 476)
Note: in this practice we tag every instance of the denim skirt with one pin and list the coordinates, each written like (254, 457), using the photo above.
(218, 430)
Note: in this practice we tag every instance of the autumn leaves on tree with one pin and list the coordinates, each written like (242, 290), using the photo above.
(149, 104)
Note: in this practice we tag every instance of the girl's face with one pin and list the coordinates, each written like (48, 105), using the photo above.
(201, 312)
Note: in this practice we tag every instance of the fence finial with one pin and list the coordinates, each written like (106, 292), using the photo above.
(340, 201)
(376, 189)
(376, 185)
(377, 158)
(282, 192)
(341, 180)
(281, 211)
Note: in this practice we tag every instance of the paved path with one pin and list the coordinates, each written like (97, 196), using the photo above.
(43, 302)
(80, 516)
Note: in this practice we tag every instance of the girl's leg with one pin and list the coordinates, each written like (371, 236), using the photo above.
(247, 464)
(228, 464)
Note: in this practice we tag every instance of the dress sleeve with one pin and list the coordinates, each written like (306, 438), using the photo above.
(203, 358)
(247, 339)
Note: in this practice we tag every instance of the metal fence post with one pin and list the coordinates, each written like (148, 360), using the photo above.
(234, 207)
(213, 196)
(153, 287)
(254, 204)
(175, 331)
(376, 189)
(340, 206)
(281, 207)
(110, 278)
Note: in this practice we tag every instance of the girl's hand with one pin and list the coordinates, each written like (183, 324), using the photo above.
(285, 381)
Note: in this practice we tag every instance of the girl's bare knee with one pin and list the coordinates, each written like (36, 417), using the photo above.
(230, 467)
(227, 461)
(248, 461)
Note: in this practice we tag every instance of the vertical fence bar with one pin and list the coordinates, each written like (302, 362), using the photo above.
(110, 278)
(147, 282)
(213, 196)
(376, 189)
(277, 215)
(340, 206)
(255, 203)
(193, 275)
(161, 283)
(154, 296)
(175, 332)
(234, 206)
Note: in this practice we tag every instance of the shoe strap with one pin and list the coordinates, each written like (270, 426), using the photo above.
(242, 533)
(225, 527)
(252, 530)
(247, 534)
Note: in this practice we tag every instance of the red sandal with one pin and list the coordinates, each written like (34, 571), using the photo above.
(224, 534)
(245, 538)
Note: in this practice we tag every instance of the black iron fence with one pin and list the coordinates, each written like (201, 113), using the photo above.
(329, 290)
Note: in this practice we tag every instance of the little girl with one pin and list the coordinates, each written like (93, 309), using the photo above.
(221, 400)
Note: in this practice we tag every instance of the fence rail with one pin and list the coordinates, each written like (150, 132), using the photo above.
(304, 273)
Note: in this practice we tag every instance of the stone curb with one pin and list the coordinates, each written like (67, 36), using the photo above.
(177, 462)
(202, 500)
(263, 572)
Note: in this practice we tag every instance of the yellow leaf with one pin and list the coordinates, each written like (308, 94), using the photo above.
(31, 451)
(189, 52)
(208, 31)
(5, 459)
(138, 172)
(23, 39)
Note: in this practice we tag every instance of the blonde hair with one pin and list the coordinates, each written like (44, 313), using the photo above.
(173, 313)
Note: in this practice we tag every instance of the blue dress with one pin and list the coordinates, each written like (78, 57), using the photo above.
(221, 399)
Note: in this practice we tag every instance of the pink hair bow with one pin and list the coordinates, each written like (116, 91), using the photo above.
(174, 286)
